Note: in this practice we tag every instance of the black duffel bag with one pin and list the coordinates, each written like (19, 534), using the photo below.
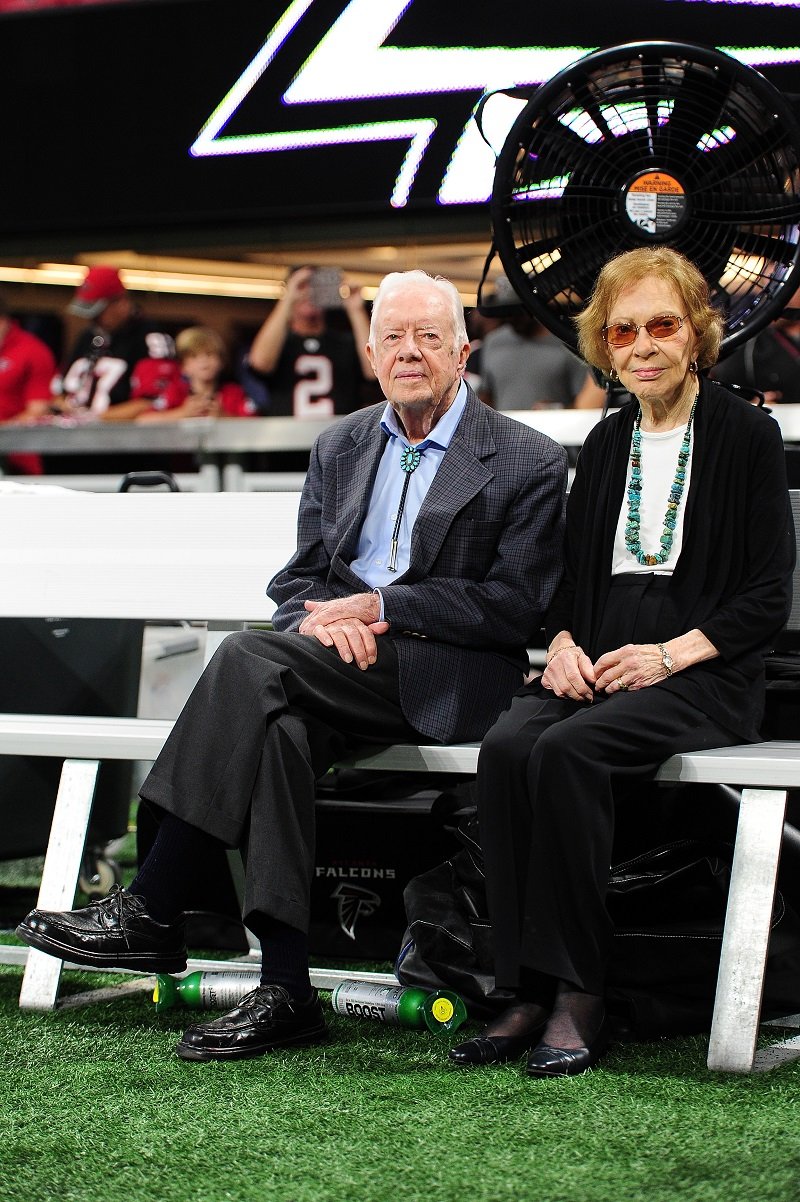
(668, 908)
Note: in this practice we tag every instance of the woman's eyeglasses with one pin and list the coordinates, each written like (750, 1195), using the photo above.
(624, 333)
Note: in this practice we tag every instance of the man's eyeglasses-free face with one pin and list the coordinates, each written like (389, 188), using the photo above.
(624, 333)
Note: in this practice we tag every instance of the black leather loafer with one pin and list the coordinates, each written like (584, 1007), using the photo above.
(266, 1018)
(115, 932)
(492, 1049)
(547, 1061)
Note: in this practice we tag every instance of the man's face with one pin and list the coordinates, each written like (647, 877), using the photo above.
(116, 313)
(416, 357)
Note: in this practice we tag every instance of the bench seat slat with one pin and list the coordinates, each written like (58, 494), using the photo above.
(67, 737)
(773, 765)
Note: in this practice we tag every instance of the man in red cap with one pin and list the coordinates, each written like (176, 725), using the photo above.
(120, 364)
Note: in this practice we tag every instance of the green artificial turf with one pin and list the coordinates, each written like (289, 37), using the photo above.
(95, 1105)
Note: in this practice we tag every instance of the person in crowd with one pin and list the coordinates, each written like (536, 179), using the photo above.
(523, 366)
(769, 363)
(429, 545)
(27, 367)
(479, 324)
(201, 390)
(679, 550)
(311, 370)
(120, 363)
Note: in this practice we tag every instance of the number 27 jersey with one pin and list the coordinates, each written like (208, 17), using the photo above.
(107, 369)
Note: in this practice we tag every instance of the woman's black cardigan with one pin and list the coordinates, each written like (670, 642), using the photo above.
(732, 579)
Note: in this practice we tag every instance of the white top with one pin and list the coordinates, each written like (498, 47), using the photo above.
(659, 463)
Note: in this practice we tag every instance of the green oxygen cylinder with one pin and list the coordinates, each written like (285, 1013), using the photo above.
(400, 1006)
(203, 990)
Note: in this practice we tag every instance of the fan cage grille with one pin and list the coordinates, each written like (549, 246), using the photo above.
(715, 128)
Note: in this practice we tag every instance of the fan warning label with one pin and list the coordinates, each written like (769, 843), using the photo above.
(655, 202)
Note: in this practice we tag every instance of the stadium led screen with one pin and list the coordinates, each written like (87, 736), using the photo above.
(178, 114)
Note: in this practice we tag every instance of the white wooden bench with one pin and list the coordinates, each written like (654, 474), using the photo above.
(208, 557)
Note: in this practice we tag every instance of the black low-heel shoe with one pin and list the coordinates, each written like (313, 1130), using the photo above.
(547, 1061)
(492, 1049)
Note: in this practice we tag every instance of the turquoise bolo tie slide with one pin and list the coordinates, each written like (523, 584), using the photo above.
(409, 462)
(409, 459)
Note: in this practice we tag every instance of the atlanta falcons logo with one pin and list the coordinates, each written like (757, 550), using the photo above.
(354, 901)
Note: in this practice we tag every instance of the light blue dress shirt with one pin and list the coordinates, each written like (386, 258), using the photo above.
(375, 540)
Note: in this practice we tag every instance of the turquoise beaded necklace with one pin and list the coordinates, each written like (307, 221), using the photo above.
(632, 532)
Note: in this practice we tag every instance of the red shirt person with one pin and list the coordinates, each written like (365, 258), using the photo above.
(200, 391)
(27, 367)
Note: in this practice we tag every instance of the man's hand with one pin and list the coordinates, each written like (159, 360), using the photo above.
(298, 285)
(350, 624)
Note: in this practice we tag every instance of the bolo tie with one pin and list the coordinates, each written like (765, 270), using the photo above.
(409, 462)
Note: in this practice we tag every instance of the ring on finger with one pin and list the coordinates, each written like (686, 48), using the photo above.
(621, 685)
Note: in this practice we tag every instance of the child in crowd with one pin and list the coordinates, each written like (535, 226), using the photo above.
(198, 392)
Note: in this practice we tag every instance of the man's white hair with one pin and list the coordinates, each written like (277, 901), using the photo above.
(397, 279)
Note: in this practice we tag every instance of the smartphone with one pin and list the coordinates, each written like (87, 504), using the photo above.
(326, 284)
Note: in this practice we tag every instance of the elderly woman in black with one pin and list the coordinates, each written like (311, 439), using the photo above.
(678, 559)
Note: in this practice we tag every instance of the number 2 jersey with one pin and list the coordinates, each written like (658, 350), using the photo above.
(106, 369)
(316, 376)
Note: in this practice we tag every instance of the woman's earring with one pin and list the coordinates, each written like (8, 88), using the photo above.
(693, 367)
(612, 375)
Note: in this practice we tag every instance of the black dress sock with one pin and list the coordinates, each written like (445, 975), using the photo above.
(180, 856)
(284, 955)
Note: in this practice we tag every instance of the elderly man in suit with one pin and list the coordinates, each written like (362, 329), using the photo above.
(428, 549)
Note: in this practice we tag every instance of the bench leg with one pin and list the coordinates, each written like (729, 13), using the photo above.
(62, 866)
(740, 984)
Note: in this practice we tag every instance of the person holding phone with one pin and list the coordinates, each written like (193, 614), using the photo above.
(310, 369)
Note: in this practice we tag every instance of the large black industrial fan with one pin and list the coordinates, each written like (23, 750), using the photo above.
(652, 143)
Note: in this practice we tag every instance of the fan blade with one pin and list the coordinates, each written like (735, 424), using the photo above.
(733, 209)
(652, 89)
(749, 152)
(763, 247)
(756, 256)
(553, 149)
(586, 101)
(699, 103)
(581, 255)
(585, 200)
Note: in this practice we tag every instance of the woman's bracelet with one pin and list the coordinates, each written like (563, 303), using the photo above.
(558, 650)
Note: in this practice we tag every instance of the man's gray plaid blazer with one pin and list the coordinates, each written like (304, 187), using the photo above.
(485, 560)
